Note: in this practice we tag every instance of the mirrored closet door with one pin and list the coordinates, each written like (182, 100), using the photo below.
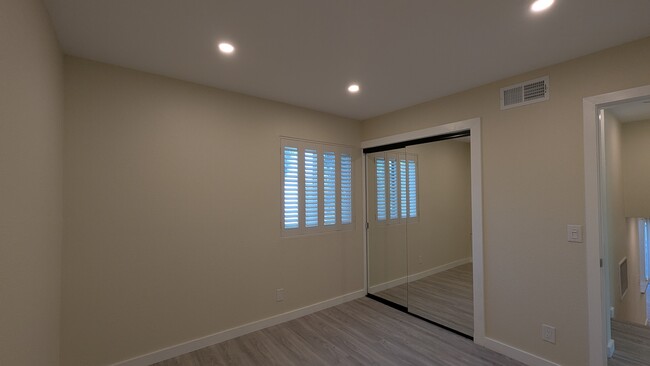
(387, 247)
(440, 285)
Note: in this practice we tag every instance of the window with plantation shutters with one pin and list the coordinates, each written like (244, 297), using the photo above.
(396, 187)
(317, 187)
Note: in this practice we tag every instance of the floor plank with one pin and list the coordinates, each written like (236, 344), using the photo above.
(632, 343)
(360, 332)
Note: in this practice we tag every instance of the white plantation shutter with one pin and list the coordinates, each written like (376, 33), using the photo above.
(380, 168)
(317, 187)
(646, 228)
(311, 188)
(329, 188)
(403, 189)
(291, 195)
(412, 187)
(392, 189)
(346, 188)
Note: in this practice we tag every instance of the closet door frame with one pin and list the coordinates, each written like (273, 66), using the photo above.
(473, 126)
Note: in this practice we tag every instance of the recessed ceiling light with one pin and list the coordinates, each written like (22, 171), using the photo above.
(353, 88)
(541, 5)
(226, 47)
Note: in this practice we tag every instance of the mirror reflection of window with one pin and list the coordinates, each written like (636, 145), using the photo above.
(396, 178)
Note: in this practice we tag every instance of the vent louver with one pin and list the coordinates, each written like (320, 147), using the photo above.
(528, 92)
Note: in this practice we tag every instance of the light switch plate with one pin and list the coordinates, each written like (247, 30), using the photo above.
(574, 233)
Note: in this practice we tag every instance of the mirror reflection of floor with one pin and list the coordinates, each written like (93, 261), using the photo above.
(445, 298)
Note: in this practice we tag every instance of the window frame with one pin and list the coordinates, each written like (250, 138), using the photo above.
(342, 213)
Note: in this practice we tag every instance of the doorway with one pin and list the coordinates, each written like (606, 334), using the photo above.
(604, 277)
(419, 260)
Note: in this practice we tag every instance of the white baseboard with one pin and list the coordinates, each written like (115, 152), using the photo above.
(193, 345)
(517, 354)
(418, 276)
(611, 347)
(442, 268)
(386, 285)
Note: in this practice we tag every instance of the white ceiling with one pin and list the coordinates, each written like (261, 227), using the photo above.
(632, 111)
(306, 52)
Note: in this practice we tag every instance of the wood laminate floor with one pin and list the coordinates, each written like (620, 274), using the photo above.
(445, 298)
(360, 332)
(632, 344)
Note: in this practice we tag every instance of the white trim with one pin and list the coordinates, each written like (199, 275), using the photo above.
(517, 354)
(427, 132)
(474, 126)
(365, 221)
(611, 348)
(620, 277)
(477, 228)
(193, 345)
(441, 268)
(420, 275)
(386, 285)
(597, 303)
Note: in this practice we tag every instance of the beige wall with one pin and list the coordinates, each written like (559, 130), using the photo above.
(622, 233)
(533, 186)
(31, 115)
(636, 172)
(173, 213)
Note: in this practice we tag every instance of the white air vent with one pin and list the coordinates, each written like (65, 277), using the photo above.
(528, 92)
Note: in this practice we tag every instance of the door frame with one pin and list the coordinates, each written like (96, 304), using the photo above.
(596, 253)
(474, 127)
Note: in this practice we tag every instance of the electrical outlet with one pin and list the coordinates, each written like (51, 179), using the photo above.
(279, 295)
(420, 259)
(548, 333)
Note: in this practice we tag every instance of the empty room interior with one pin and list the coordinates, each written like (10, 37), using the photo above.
(292, 182)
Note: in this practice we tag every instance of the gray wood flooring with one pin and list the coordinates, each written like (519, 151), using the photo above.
(445, 298)
(360, 332)
(632, 343)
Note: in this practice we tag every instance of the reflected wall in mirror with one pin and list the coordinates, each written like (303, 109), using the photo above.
(440, 286)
